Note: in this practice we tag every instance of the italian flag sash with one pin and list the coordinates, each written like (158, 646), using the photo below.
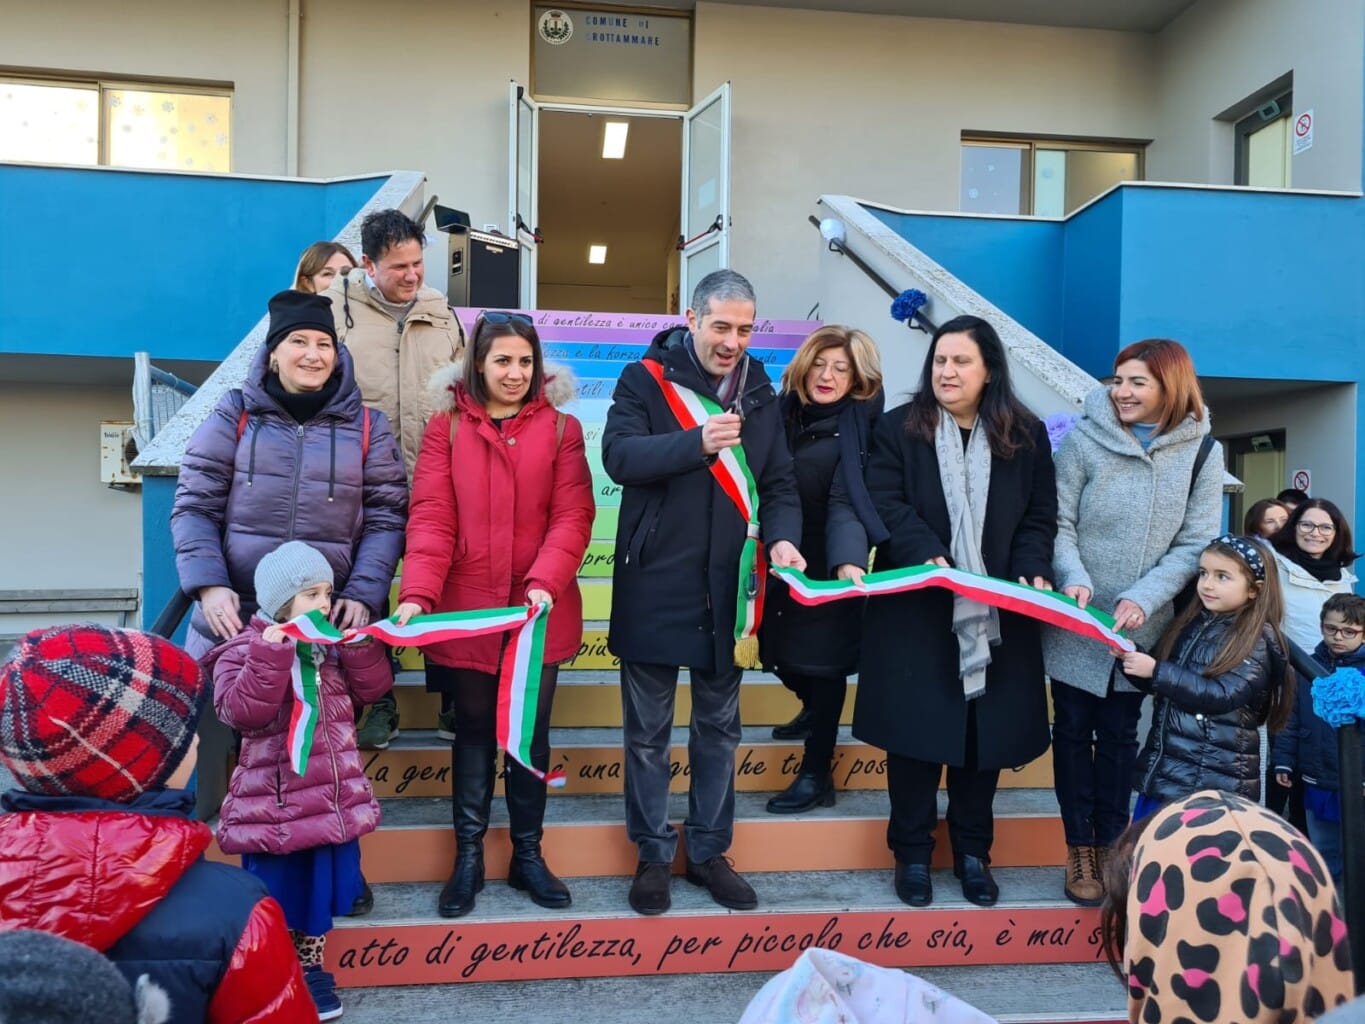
(731, 471)
(1044, 605)
(518, 680)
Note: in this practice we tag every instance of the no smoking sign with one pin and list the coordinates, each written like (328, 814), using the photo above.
(1303, 132)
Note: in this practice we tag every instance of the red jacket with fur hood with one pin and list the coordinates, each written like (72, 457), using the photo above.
(497, 513)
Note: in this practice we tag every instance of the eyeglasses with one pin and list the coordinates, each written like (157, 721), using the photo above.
(498, 317)
(1326, 529)
(1342, 632)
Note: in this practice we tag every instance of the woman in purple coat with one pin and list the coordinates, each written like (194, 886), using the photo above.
(292, 455)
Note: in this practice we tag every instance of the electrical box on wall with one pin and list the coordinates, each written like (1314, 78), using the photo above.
(117, 451)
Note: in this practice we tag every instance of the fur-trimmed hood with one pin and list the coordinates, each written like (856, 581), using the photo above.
(561, 386)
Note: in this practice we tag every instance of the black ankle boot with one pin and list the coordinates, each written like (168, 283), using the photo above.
(471, 786)
(808, 790)
(528, 871)
(797, 729)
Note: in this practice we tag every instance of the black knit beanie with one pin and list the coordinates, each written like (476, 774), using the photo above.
(291, 310)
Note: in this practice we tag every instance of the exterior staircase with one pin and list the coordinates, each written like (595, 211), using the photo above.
(823, 878)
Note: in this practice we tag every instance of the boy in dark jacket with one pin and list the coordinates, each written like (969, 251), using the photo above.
(97, 725)
(1308, 745)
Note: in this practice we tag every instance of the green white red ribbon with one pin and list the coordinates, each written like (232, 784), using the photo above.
(1044, 605)
(307, 709)
(518, 681)
(731, 470)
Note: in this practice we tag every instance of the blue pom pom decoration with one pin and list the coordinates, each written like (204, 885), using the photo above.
(1339, 699)
(907, 304)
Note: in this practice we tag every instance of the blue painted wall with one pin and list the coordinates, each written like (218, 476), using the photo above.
(1257, 284)
(1013, 263)
(210, 250)
(159, 578)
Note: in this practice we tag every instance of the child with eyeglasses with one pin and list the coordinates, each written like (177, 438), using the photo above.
(1308, 744)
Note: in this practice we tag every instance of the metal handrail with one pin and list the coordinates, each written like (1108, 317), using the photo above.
(843, 250)
(172, 614)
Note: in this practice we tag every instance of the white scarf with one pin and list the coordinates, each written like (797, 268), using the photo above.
(966, 478)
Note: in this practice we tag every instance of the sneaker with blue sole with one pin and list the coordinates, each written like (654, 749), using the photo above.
(322, 986)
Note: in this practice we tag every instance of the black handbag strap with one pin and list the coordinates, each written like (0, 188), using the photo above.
(1205, 446)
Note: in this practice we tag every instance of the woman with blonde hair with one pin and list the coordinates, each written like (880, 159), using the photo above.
(319, 264)
(831, 399)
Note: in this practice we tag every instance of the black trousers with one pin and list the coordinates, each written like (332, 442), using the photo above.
(823, 697)
(913, 787)
(474, 697)
(1094, 759)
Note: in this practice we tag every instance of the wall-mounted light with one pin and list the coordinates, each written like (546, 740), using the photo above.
(597, 254)
(614, 139)
(832, 230)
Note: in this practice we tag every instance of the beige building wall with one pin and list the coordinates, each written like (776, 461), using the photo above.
(1220, 52)
(59, 526)
(243, 43)
(875, 106)
(1320, 428)
(415, 85)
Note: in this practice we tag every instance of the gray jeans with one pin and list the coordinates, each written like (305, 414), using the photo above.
(647, 697)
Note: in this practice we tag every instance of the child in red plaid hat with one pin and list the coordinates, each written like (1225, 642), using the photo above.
(299, 800)
(98, 727)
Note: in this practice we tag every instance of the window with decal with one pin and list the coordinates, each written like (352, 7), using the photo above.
(116, 123)
(1043, 177)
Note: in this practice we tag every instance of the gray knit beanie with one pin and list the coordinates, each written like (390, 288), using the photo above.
(46, 979)
(291, 567)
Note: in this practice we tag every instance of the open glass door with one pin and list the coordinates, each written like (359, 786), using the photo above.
(522, 173)
(705, 219)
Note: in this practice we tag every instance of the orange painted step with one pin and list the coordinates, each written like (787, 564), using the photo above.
(418, 764)
(585, 836)
(507, 938)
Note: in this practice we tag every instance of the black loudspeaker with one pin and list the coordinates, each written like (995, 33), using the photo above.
(483, 270)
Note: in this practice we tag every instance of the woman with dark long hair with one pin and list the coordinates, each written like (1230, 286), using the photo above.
(1265, 519)
(502, 508)
(1139, 495)
(961, 475)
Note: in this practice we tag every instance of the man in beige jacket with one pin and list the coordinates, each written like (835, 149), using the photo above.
(399, 333)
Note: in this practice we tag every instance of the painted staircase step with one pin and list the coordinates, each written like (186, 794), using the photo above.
(417, 763)
(508, 938)
(1011, 993)
(593, 697)
(585, 836)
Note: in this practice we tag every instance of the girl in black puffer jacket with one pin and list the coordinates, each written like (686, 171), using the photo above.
(1219, 674)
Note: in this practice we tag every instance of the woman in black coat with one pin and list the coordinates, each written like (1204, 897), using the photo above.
(945, 681)
(831, 398)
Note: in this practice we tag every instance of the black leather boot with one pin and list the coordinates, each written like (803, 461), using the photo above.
(913, 884)
(471, 784)
(528, 871)
(809, 789)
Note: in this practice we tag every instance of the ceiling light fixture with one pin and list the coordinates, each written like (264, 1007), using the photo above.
(597, 254)
(614, 139)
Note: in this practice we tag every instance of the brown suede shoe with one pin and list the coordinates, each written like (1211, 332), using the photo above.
(718, 877)
(1083, 885)
(649, 892)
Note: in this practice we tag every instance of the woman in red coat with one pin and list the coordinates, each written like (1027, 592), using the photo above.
(501, 513)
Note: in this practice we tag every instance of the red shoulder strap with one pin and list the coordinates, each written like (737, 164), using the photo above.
(365, 437)
(241, 424)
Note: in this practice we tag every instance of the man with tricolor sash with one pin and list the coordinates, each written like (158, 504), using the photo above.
(708, 501)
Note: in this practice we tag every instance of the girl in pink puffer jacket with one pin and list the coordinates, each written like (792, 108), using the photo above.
(298, 832)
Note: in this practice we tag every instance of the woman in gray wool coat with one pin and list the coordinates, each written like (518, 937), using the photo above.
(1134, 511)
